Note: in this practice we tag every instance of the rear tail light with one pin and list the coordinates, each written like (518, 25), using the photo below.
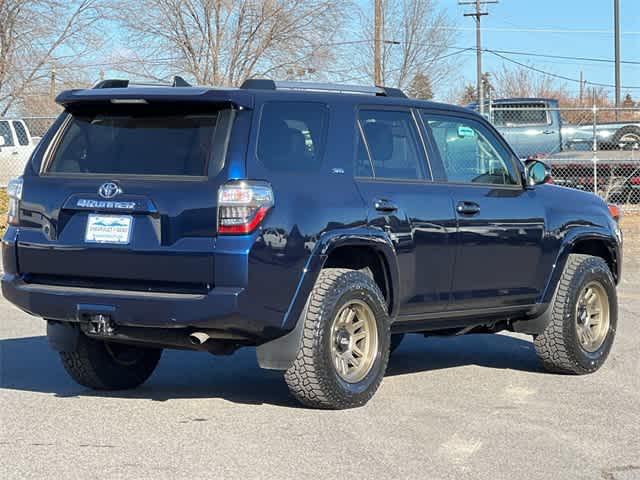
(242, 205)
(14, 192)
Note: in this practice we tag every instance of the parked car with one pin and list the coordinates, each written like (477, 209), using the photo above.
(16, 146)
(317, 223)
(534, 127)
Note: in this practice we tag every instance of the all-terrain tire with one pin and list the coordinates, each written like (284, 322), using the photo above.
(95, 364)
(313, 378)
(631, 133)
(396, 340)
(558, 347)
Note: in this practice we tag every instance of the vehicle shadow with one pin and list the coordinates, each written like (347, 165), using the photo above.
(419, 354)
(29, 364)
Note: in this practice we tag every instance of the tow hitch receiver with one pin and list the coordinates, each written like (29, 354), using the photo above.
(96, 319)
(99, 324)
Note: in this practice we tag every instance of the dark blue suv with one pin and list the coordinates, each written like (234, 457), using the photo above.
(317, 223)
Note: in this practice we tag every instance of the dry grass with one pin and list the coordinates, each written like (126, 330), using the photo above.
(631, 229)
(4, 204)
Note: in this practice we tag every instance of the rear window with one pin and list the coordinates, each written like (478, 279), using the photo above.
(5, 132)
(511, 115)
(292, 136)
(139, 143)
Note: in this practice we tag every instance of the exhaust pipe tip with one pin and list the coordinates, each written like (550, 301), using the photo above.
(198, 338)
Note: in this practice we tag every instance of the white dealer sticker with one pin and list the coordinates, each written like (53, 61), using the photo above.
(108, 229)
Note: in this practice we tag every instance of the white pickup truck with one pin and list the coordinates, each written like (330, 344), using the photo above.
(16, 145)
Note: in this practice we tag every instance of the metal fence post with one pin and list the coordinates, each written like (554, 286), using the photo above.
(595, 147)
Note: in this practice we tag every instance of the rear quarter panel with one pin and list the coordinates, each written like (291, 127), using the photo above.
(309, 208)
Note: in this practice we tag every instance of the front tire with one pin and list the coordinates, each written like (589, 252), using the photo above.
(345, 342)
(584, 318)
(109, 366)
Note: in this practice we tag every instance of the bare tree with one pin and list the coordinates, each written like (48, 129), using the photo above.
(39, 36)
(417, 41)
(224, 42)
(522, 82)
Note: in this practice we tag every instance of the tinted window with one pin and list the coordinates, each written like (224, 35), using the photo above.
(392, 141)
(5, 132)
(292, 136)
(21, 133)
(520, 114)
(470, 153)
(163, 143)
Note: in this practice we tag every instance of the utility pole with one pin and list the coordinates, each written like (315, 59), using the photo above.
(377, 43)
(616, 21)
(478, 14)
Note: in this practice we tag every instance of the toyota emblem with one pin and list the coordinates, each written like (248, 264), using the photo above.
(109, 190)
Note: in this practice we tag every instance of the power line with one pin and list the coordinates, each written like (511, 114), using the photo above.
(457, 50)
(538, 30)
(555, 75)
(566, 57)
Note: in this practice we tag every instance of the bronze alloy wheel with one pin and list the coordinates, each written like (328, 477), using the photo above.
(354, 341)
(592, 316)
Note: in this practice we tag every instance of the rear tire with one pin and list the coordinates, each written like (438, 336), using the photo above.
(329, 371)
(627, 136)
(109, 366)
(577, 339)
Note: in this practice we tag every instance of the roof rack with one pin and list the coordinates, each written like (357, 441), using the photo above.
(117, 83)
(267, 84)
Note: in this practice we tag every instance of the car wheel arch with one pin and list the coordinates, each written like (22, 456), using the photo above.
(589, 243)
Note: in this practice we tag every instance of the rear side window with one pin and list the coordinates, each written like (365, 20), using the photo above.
(392, 144)
(512, 115)
(139, 142)
(292, 136)
(5, 132)
(21, 133)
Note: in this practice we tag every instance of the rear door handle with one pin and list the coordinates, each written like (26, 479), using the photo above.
(467, 208)
(384, 206)
(548, 132)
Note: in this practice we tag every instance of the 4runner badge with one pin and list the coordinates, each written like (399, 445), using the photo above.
(109, 190)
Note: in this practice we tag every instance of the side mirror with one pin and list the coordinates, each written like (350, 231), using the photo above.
(2, 141)
(537, 172)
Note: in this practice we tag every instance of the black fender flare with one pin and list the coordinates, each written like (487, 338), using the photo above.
(280, 353)
(539, 321)
(570, 241)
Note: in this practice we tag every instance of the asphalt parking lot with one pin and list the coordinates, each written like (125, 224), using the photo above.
(476, 407)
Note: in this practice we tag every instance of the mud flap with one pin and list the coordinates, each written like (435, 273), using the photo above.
(63, 336)
(534, 326)
(279, 354)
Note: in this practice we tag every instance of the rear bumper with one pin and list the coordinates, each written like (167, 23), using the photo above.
(218, 310)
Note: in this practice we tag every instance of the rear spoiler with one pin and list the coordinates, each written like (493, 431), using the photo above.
(124, 83)
(119, 91)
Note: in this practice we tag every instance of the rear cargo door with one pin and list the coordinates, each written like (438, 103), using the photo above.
(126, 199)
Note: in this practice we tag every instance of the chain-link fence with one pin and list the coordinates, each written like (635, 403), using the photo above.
(18, 138)
(589, 148)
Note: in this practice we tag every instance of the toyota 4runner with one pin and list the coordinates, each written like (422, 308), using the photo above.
(317, 223)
